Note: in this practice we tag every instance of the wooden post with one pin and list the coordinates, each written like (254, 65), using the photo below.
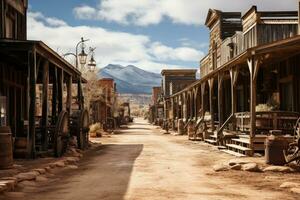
(54, 96)
(253, 65)
(196, 109)
(79, 94)
(233, 77)
(211, 88)
(69, 95)
(202, 99)
(45, 105)
(32, 101)
(220, 99)
(60, 90)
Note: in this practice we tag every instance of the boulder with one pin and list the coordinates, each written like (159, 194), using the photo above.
(296, 190)
(71, 167)
(218, 168)
(289, 185)
(278, 169)
(41, 179)
(235, 162)
(60, 164)
(40, 171)
(71, 159)
(27, 183)
(251, 167)
(10, 184)
(236, 167)
(26, 176)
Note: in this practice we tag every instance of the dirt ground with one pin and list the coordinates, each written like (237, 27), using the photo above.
(141, 163)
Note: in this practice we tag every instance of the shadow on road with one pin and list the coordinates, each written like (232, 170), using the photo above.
(102, 174)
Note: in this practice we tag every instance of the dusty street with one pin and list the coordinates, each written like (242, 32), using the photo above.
(142, 163)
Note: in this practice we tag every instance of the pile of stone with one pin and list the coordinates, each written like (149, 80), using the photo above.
(250, 166)
(8, 184)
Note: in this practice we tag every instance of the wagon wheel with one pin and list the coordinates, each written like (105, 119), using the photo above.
(80, 127)
(293, 152)
(61, 134)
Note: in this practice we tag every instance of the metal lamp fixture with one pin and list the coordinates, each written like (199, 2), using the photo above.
(92, 62)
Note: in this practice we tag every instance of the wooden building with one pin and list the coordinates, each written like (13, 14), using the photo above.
(249, 81)
(156, 107)
(26, 66)
(173, 81)
(104, 105)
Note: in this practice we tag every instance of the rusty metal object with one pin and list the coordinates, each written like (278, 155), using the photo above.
(274, 148)
(6, 151)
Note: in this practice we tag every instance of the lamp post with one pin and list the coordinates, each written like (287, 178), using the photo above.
(82, 56)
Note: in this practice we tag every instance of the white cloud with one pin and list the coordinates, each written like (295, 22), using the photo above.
(111, 47)
(147, 12)
(50, 21)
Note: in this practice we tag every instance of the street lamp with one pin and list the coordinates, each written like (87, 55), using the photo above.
(92, 62)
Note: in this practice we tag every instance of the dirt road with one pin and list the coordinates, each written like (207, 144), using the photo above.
(142, 163)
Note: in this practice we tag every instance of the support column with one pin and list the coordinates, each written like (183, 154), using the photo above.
(45, 105)
(220, 99)
(32, 101)
(253, 65)
(69, 95)
(202, 99)
(233, 77)
(60, 90)
(196, 109)
(54, 96)
(298, 17)
(211, 88)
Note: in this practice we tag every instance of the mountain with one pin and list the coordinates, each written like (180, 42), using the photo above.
(131, 79)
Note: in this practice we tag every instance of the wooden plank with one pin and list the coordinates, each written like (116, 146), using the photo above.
(54, 96)
(60, 82)
(238, 147)
(232, 153)
(241, 140)
(69, 95)
(45, 105)
(32, 95)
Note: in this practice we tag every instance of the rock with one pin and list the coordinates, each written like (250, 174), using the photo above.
(219, 168)
(26, 176)
(29, 189)
(236, 167)
(2, 188)
(10, 184)
(71, 167)
(40, 171)
(27, 183)
(71, 159)
(289, 185)
(235, 162)
(14, 194)
(93, 135)
(41, 179)
(52, 165)
(278, 169)
(251, 167)
(296, 190)
(60, 164)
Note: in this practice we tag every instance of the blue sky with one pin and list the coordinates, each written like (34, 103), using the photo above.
(151, 34)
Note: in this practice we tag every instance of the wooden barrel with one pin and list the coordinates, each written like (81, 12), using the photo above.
(274, 147)
(6, 151)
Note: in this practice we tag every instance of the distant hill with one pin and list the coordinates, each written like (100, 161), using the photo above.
(131, 79)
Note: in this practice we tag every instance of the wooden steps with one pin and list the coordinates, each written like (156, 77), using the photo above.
(211, 141)
(233, 153)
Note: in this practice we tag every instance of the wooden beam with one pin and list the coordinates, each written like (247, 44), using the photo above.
(54, 96)
(211, 88)
(60, 90)
(233, 77)
(253, 65)
(220, 98)
(202, 99)
(45, 105)
(32, 101)
(298, 17)
(69, 95)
